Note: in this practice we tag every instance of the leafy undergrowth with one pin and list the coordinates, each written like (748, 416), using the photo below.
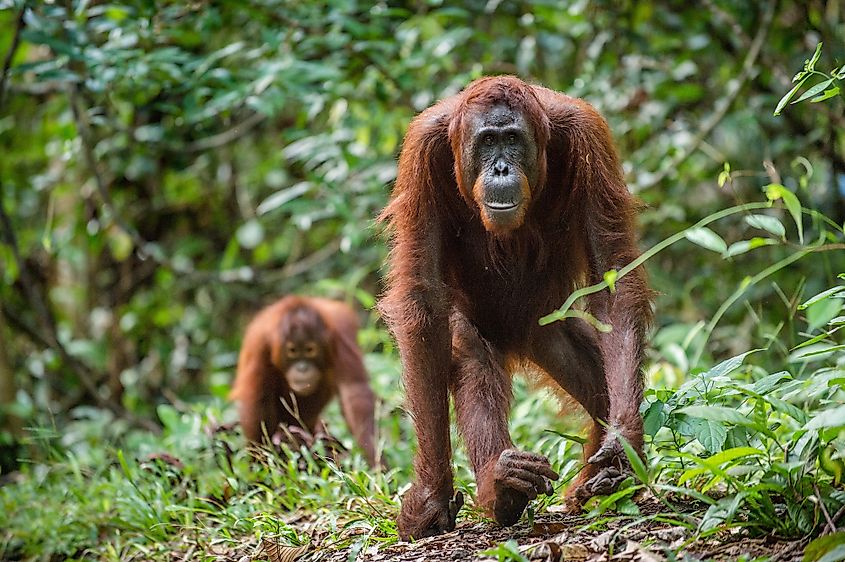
(742, 464)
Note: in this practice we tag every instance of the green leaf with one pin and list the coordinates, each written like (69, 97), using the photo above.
(120, 243)
(712, 435)
(769, 382)
(832, 417)
(505, 552)
(826, 95)
(283, 196)
(816, 351)
(820, 313)
(828, 544)
(706, 238)
(725, 174)
(833, 292)
(775, 191)
(788, 96)
(168, 415)
(814, 90)
(626, 506)
(654, 418)
(733, 454)
(728, 365)
(744, 246)
(718, 413)
(768, 223)
(637, 463)
(610, 279)
(810, 65)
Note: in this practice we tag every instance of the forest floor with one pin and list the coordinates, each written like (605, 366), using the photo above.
(551, 537)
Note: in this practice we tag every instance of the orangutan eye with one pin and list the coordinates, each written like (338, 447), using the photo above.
(489, 140)
(310, 350)
(290, 349)
(511, 138)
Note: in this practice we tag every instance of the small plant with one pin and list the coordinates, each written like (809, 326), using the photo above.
(828, 86)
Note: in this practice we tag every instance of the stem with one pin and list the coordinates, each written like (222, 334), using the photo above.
(560, 313)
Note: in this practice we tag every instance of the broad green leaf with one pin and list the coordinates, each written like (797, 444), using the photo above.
(168, 415)
(720, 414)
(768, 223)
(826, 95)
(775, 191)
(712, 435)
(728, 365)
(821, 312)
(814, 90)
(637, 463)
(617, 496)
(816, 351)
(626, 506)
(826, 545)
(732, 454)
(706, 238)
(788, 95)
(120, 243)
(833, 292)
(785, 407)
(744, 246)
(654, 418)
(832, 417)
(769, 382)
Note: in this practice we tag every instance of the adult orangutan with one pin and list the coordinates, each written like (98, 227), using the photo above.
(508, 197)
(296, 355)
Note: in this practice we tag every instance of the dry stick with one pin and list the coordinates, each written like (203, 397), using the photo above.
(722, 106)
(839, 515)
(830, 522)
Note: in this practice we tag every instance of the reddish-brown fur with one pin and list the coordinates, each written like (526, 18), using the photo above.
(463, 302)
(265, 399)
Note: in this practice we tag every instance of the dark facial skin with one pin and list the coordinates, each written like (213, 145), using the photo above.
(304, 372)
(302, 356)
(501, 166)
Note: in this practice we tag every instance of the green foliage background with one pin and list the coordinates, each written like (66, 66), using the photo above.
(168, 167)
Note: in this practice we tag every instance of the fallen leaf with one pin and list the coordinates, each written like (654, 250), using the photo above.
(547, 528)
(276, 552)
(573, 552)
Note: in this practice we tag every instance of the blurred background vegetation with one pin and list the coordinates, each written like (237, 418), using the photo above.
(168, 167)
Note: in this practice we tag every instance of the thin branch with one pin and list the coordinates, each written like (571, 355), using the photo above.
(227, 136)
(301, 266)
(723, 105)
(7, 63)
(831, 525)
(838, 515)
